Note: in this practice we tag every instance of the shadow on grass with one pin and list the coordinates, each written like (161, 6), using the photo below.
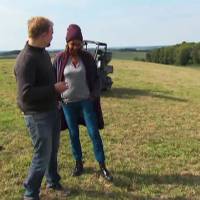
(88, 170)
(125, 179)
(127, 93)
(130, 182)
(92, 194)
(1, 148)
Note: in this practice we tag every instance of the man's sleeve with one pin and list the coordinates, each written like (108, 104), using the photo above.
(27, 82)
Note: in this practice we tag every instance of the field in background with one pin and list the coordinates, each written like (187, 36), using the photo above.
(129, 55)
(122, 55)
(151, 138)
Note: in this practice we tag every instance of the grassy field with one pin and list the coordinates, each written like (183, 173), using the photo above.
(129, 55)
(151, 138)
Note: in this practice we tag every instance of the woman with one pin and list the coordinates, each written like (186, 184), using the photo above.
(81, 101)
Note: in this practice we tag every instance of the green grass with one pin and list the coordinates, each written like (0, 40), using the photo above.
(151, 137)
(129, 55)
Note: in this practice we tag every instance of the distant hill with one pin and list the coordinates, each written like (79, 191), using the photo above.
(135, 48)
(127, 53)
(14, 53)
(9, 54)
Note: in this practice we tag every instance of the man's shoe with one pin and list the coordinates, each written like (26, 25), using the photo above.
(31, 198)
(78, 169)
(56, 186)
(105, 173)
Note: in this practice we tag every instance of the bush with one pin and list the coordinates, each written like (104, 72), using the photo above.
(180, 54)
(196, 54)
(183, 55)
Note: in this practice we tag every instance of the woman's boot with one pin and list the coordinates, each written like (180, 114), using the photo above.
(104, 172)
(78, 169)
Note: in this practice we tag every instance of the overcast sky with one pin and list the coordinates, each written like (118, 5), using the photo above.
(116, 22)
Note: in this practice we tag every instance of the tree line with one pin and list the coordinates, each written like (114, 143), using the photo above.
(180, 54)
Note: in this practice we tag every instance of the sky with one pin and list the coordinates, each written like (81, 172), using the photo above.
(119, 23)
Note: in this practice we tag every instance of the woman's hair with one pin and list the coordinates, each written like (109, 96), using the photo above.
(38, 26)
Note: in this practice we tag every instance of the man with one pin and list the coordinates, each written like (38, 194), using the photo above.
(37, 92)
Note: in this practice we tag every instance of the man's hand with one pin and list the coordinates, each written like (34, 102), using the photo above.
(60, 87)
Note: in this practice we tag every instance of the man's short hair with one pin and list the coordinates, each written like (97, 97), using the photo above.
(37, 26)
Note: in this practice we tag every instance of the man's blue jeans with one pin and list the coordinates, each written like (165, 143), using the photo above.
(44, 129)
(72, 111)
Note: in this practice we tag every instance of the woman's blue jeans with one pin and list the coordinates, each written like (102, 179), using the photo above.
(72, 111)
